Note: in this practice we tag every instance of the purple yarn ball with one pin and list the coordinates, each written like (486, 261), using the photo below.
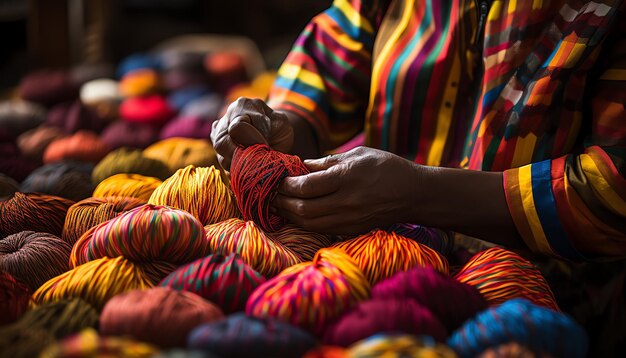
(383, 315)
(452, 302)
(13, 163)
(188, 128)
(74, 116)
(132, 135)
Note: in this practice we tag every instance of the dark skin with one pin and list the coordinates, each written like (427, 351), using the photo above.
(365, 188)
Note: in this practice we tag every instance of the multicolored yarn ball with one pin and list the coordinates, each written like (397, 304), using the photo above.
(61, 318)
(501, 275)
(311, 294)
(241, 336)
(34, 142)
(67, 179)
(48, 87)
(8, 187)
(383, 315)
(13, 163)
(226, 281)
(180, 98)
(381, 254)
(199, 191)
(17, 117)
(439, 293)
(87, 344)
(140, 82)
(206, 107)
(400, 345)
(90, 212)
(74, 116)
(34, 257)
(84, 146)
(178, 153)
(258, 249)
(36, 212)
(512, 350)
(152, 109)
(160, 315)
(439, 240)
(131, 135)
(303, 242)
(129, 161)
(187, 128)
(14, 298)
(518, 320)
(96, 282)
(127, 185)
(146, 234)
(256, 172)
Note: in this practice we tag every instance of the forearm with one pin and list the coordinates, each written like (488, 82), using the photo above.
(468, 202)
(305, 144)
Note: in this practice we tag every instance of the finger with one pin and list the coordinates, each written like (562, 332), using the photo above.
(224, 162)
(244, 133)
(306, 208)
(324, 163)
(311, 185)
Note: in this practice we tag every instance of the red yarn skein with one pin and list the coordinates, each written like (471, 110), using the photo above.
(14, 298)
(256, 172)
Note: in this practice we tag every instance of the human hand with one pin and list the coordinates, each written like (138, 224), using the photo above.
(350, 193)
(247, 122)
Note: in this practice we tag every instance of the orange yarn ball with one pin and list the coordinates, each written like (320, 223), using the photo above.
(83, 146)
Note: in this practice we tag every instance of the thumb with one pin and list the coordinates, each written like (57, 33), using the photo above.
(244, 133)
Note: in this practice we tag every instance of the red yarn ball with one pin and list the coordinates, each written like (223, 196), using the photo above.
(14, 298)
(256, 172)
(151, 109)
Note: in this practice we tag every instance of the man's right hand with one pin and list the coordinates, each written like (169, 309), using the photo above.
(248, 122)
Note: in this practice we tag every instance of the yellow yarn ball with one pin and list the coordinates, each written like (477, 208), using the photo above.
(178, 153)
(127, 185)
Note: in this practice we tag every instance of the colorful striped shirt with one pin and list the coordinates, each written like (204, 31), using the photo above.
(534, 88)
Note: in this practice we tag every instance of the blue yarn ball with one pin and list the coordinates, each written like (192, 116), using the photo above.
(540, 329)
(179, 99)
(241, 336)
(137, 61)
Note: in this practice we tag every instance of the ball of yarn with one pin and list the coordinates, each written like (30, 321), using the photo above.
(48, 87)
(132, 135)
(511, 350)
(129, 161)
(224, 280)
(160, 315)
(178, 153)
(14, 298)
(303, 242)
(74, 116)
(228, 68)
(34, 142)
(311, 294)
(83, 146)
(381, 254)
(183, 61)
(99, 90)
(327, 352)
(501, 275)
(518, 320)
(95, 282)
(140, 82)
(383, 315)
(127, 185)
(87, 344)
(258, 249)
(206, 107)
(401, 345)
(199, 191)
(90, 212)
(439, 240)
(13, 163)
(180, 98)
(68, 179)
(17, 117)
(187, 128)
(241, 336)
(256, 172)
(439, 293)
(36, 212)
(34, 257)
(8, 186)
(25, 343)
(137, 61)
(152, 109)
(145, 234)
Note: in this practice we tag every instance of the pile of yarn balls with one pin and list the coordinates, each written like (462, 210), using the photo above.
(121, 235)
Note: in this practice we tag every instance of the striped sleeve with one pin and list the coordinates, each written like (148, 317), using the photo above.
(326, 76)
(574, 207)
